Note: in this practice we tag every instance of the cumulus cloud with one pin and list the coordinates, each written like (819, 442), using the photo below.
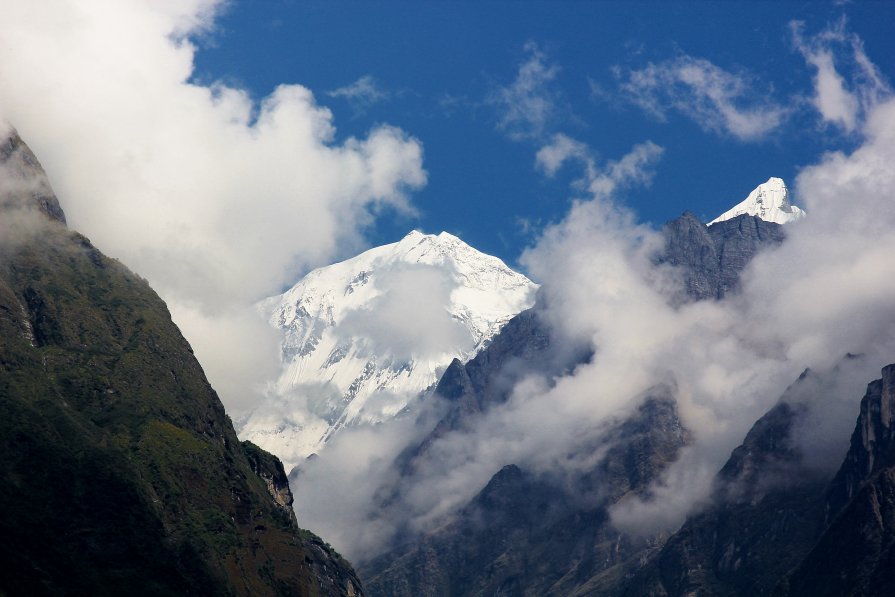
(818, 297)
(219, 201)
(216, 199)
(533, 429)
(528, 105)
(633, 168)
(805, 305)
(719, 101)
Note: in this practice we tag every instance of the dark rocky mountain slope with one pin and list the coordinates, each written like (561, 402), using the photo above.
(856, 553)
(776, 527)
(711, 258)
(766, 513)
(525, 535)
(120, 472)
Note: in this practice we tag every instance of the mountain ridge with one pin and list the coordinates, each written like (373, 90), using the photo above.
(120, 471)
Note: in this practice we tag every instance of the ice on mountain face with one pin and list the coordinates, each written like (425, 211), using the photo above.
(362, 339)
(769, 201)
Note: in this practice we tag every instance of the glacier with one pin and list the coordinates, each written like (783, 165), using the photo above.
(363, 339)
(769, 201)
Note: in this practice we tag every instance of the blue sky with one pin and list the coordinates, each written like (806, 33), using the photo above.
(437, 70)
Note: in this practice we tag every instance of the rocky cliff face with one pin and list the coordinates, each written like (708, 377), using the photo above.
(766, 514)
(778, 527)
(528, 534)
(523, 346)
(120, 471)
(856, 554)
(712, 257)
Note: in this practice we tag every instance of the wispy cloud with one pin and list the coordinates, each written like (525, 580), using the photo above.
(634, 168)
(839, 100)
(527, 106)
(562, 148)
(718, 101)
(361, 94)
(601, 182)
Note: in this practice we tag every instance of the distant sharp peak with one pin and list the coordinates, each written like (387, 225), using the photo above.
(441, 236)
(415, 243)
(442, 239)
(23, 182)
(769, 201)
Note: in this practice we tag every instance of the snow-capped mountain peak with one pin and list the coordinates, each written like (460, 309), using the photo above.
(361, 339)
(769, 201)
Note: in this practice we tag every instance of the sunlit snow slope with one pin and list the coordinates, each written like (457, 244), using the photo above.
(769, 201)
(363, 338)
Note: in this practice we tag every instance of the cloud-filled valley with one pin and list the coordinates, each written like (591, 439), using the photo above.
(821, 295)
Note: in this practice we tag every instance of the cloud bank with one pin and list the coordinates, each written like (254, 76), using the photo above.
(217, 199)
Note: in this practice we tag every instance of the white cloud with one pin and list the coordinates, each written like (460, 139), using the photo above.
(840, 101)
(602, 182)
(824, 293)
(717, 100)
(539, 424)
(339, 495)
(633, 168)
(216, 200)
(410, 317)
(219, 201)
(551, 157)
(361, 94)
(527, 106)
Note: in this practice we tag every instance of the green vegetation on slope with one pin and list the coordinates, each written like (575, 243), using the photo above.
(120, 473)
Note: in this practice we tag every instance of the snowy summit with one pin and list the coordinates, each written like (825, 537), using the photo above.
(769, 201)
(362, 339)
